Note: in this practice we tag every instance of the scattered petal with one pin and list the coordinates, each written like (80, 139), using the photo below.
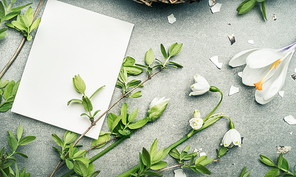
(216, 8)
(290, 120)
(202, 154)
(291, 133)
(281, 93)
(212, 2)
(179, 173)
(171, 18)
(240, 74)
(231, 38)
(251, 41)
(293, 76)
(283, 149)
(214, 59)
(233, 90)
(198, 150)
(274, 17)
(295, 70)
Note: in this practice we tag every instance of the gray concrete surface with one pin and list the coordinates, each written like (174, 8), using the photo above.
(204, 35)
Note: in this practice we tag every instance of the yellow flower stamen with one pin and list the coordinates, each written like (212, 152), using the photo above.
(260, 83)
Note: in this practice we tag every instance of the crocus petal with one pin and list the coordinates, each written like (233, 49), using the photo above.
(272, 86)
(264, 57)
(253, 75)
(240, 58)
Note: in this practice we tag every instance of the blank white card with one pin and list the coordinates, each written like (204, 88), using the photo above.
(70, 41)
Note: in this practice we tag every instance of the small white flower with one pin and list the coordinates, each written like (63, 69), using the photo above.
(265, 68)
(231, 138)
(156, 108)
(200, 87)
(196, 123)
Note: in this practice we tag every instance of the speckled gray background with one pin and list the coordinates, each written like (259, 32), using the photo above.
(204, 35)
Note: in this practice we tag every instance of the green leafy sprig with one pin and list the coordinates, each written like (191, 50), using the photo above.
(74, 159)
(7, 13)
(244, 174)
(8, 158)
(247, 5)
(282, 165)
(7, 91)
(25, 24)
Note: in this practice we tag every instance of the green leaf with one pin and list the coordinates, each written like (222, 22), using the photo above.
(202, 169)
(115, 123)
(12, 142)
(3, 84)
(79, 154)
(103, 137)
(71, 151)
(246, 7)
(80, 168)
(96, 112)
(200, 159)
(267, 161)
(19, 132)
(2, 12)
(15, 88)
(176, 64)
(19, 25)
(69, 137)
(206, 162)
(124, 132)
(158, 165)
(260, 0)
(128, 61)
(29, 37)
(136, 94)
(5, 3)
(175, 154)
(152, 173)
(96, 173)
(222, 151)
(264, 10)
(133, 83)
(153, 149)
(110, 119)
(160, 155)
(69, 164)
(186, 148)
(8, 89)
(87, 104)
(138, 124)
(272, 172)
(20, 7)
(96, 91)
(133, 115)
(146, 158)
(142, 166)
(143, 66)
(188, 156)
(282, 162)
(149, 57)
(59, 151)
(175, 49)
(6, 165)
(1, 31)
(119, 85)
(77, 100)
(5, 106)
(57, 140)
(122, 75)
(240, 6)
(1, 152)
(133, 70)
(163, 51)
(124, 113)
(12, 14)
(2, 35)
(27, 140)
(90, 169)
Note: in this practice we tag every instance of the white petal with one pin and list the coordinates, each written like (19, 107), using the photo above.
(227, 139)
(264, 57)
(235, 137)
(290, 119)
(272, 86)
(251, 76)
(201, 80)
(240, 58)
(179, 173)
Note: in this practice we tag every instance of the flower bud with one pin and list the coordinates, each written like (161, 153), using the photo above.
(200, 87)
(231, 138)
(196, 114)
(156, 108)
(196, 123)
(79, 84)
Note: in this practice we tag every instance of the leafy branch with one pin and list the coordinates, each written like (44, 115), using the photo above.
(282, 165)
(247, 5)
(7, 91)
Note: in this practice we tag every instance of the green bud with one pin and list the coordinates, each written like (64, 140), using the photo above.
(156, 108)
(214, 89)
(79, 84)
(231, 125)
(87, 104)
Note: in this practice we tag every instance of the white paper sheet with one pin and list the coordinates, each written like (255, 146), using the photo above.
(70, 41)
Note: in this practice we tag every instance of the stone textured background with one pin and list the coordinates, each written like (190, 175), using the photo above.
(204, 35)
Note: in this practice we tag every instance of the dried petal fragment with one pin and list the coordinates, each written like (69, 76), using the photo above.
(283, 149)
(214, 59)
(171, 18)
(290, 120)
(231, 38)
(216, 8)
(233, 90)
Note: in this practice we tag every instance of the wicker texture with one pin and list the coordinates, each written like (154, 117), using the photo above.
(149, 2)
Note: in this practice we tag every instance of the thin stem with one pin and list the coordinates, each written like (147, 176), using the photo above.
(56, 168)
(206, 118)
(21, 44)
(178, 165)
(94, 123)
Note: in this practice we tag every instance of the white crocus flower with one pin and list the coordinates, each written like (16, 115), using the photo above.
(200, 87)
(231, 138)
(265, 68)
(196, 123)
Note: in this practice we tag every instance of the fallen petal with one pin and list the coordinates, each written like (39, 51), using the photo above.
(216, 8)
(231, 38)
(283, 149)
(233, 90)
(251, 41)
(281, 93)
(171, 18)
(202, 154)
(214, 59)
(179, 173)
(290, 120)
